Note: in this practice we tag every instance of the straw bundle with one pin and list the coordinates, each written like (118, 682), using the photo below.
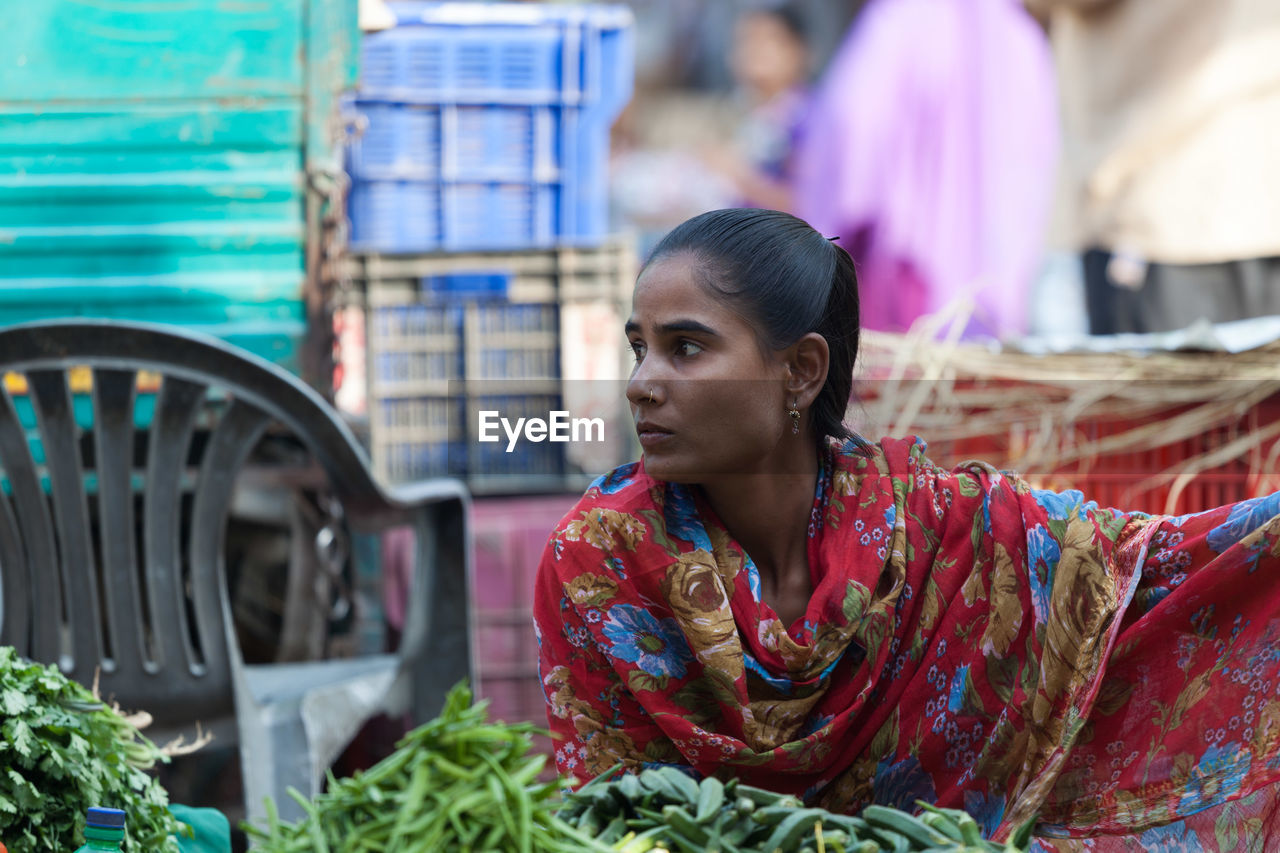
(1161, 419)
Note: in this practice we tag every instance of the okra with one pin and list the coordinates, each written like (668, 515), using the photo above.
(710, 799)
(787, 834)
(916, 831)
(686, 788)
(685, 824)
(761, 797)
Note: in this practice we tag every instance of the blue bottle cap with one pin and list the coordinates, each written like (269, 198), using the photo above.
(105, 818)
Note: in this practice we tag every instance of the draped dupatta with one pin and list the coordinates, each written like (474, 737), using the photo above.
(955, 649)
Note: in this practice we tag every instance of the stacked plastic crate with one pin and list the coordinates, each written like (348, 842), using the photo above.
(479, 224)
(520, 333)
(487, 276)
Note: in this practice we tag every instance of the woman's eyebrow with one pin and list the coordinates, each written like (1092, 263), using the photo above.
(632, 327)
(687, 326)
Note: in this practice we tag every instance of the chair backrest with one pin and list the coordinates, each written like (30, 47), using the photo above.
(120, 444)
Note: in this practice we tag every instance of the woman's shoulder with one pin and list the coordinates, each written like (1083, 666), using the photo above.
(908, 458)
(883, 455)
(609, 518)
(626, 489)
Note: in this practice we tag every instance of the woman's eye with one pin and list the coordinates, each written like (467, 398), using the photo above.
(687, 348)
(637, 350)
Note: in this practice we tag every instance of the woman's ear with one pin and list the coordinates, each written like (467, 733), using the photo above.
(807, 363)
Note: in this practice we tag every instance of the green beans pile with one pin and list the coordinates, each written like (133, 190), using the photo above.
(665, 809)
(457, 783)
(464, 785)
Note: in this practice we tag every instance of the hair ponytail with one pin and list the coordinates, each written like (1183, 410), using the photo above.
(840, 326)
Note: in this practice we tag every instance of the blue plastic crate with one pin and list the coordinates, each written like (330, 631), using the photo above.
(507, 318)
(406, 368)
(396, 140)
(446, 60)
(486, 126)
(413, 320)
(498, 353)
(393, 216)
(434, 417)
(419, 216)
(453, 143)
(528, 458)
(418, 460)
(470, 285)
(401, 359)
(501, 53)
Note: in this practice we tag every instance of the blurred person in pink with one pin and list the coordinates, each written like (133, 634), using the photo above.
(930, 150)
(1170, 186)
(771, 66)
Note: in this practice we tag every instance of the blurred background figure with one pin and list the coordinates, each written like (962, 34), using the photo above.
(771, 65)
(720, 88)
(930, 151)
(1171, 180)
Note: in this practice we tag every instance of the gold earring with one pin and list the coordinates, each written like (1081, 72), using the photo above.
(795, 419)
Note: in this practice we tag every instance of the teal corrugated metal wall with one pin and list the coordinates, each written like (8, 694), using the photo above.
(153, 155)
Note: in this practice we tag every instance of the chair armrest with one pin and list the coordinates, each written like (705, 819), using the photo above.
(436, 646)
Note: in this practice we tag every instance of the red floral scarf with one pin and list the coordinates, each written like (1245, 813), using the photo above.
(970, 641)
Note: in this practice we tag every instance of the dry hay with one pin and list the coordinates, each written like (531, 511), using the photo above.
(1063, 419)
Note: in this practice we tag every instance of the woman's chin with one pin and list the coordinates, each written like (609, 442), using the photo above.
(670, 470)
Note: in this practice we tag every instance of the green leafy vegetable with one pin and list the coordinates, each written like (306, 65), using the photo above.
(62, 750)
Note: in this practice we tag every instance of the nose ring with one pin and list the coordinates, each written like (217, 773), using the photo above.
(649, 395)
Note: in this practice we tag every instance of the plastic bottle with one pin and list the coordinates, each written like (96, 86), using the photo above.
(103, 830)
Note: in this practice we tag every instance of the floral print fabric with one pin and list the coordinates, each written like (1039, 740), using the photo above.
(970, 641)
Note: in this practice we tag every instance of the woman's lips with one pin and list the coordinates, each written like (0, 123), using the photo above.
(652, 434)
(653, 439)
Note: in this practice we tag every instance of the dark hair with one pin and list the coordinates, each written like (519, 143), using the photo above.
(791, 18)
(787, 278)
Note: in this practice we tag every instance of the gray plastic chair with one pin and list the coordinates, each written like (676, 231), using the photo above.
(112, 546)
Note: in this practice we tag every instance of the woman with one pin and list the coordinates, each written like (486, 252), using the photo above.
(771, 67)
(766, 596)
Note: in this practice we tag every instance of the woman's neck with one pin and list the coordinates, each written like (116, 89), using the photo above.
(767, 512)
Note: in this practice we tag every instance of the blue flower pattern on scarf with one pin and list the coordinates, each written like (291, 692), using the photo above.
(655, 645)
(900, 785)
(1244, 518)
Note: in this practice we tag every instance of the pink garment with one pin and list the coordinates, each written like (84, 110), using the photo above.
(931, 151)
(398, 547)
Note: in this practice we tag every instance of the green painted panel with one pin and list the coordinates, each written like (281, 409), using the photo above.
(333, 48)
(157, 303)
(192, 126)
(153, 158)
(186, 213)
(121, 238)
(149, 49)
(45, 209)
(201, 164)
(113, 269)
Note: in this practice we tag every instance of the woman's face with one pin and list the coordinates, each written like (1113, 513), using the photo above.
(766, 56)
(706, 399)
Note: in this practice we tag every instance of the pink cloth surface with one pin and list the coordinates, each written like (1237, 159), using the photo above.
(931, 149)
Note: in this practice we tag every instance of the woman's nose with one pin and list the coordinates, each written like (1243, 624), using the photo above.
(642, 390)
(644, 386)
